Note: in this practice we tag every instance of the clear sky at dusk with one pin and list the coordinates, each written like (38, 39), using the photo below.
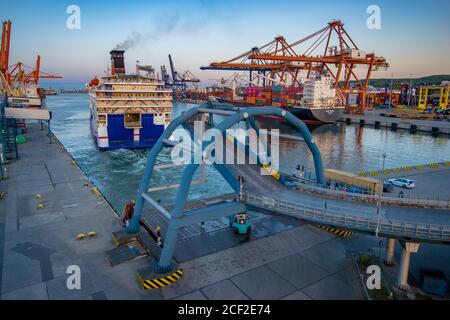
(414, 35)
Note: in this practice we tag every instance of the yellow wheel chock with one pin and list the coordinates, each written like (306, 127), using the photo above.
(90, 235)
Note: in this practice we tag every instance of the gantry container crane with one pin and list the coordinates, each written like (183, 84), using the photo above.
(330, 50)
(179, 81)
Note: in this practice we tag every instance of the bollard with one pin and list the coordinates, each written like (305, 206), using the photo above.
(435, 132)
(394, 126)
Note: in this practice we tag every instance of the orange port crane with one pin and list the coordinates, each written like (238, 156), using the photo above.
(4, 49)
(4, 55)
(330, 50)
(17, 74)
(281, 71)
(22, 73)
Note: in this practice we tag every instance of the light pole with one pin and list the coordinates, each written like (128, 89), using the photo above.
(392, 86)
(410, 91)
(380, 194)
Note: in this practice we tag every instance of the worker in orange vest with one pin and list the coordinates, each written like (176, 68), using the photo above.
(158, 235)
(128, 212)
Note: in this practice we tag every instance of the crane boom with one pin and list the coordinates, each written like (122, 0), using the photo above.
(330, 50)
(172, 70)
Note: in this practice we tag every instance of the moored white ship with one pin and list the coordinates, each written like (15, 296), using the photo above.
(320, 101)
(128, 110)
(27, 95)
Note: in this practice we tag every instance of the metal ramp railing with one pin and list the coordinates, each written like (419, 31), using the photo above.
(387, 227)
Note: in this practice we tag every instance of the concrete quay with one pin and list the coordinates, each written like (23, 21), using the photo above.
(413, 125)
(38, 244)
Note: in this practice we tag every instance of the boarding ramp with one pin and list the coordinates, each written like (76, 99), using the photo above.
(266, 194)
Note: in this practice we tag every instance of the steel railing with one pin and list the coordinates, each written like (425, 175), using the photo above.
(372, 198)
(418, 231)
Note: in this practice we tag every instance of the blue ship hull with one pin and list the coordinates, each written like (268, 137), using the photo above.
(120, 137)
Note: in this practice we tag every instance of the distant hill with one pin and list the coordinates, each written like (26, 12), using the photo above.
(430, 80)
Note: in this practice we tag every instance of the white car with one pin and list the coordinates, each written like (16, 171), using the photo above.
(402, 183)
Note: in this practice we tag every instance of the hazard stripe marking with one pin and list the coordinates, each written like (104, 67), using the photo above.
(150, 284)
(160, 282)
(172, 279)
(176, 276)
(338, 232)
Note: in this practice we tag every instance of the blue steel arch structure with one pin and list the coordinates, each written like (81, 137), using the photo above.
(178, 218)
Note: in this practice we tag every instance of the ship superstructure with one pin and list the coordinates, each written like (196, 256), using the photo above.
(128, 110)
(315, 101)
(319, 93)
(319, 102)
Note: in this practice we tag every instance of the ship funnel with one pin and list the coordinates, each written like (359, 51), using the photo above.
(117, 62)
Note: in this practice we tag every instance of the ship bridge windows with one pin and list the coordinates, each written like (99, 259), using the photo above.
(101, 119)
(132, 120)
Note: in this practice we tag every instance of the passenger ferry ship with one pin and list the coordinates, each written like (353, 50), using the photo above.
(128, 110)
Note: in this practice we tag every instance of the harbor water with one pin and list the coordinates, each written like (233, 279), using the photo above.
(352, 148)
(117, 173)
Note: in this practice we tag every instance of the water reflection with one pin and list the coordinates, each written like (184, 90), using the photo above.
(351, 148)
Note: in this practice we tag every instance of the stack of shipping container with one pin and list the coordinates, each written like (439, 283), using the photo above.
(272, 96)
(375, 99)
(293, 94)
(276, 96)
(251, 93)
(279, 97)
(267, 96)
